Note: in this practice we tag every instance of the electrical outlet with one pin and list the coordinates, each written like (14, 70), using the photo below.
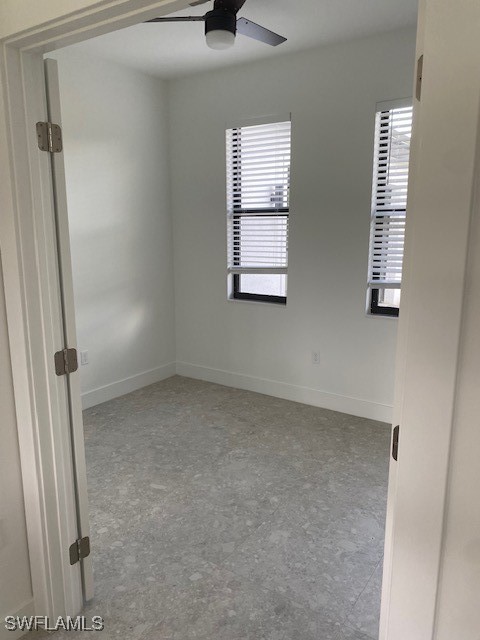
(83, 357)
(315, 357)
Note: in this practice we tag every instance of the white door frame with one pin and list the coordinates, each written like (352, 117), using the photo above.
(65, 278)
(428, 341)
(30, 268)
(444, 163)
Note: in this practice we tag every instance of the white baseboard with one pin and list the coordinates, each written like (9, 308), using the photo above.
(121, 387)
(315, 397)
(27, 609)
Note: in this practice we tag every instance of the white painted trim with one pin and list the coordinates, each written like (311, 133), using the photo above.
(287, 391)
(34, 326)
(27, 609)
(127, 385)
(400, 360)
(65, 279)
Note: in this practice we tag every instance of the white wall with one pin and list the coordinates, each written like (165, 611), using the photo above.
(331, 93)
(116, 162)
(15, 584)
(19, 15)
(460, 580)
(460, 577)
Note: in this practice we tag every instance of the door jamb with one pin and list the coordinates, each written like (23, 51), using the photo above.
(430, 328)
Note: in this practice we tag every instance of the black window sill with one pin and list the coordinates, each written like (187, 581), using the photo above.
(254, 297)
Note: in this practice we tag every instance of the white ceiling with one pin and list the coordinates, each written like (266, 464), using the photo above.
(169, 50)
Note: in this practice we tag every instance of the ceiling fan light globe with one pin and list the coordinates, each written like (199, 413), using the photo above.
(220, 39)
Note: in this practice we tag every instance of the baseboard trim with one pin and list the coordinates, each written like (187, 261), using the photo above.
(315, 397)
(307, 395)
(121, 387)
(27, 609)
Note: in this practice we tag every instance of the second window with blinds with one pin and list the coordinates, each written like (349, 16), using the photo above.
(393, 131)
(258, 208)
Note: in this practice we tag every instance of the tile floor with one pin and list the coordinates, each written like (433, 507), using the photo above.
(221, 514)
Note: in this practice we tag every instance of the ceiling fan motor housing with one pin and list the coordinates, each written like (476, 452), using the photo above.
(220, 20)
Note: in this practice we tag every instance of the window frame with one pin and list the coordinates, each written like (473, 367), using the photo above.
(235, 292)
(377, 309)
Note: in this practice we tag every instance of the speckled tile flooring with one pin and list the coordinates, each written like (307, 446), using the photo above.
(222, 514)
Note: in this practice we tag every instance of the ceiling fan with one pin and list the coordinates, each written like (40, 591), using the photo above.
(222, 24)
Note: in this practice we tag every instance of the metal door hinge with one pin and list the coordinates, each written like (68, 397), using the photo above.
(49, 137)
(418, 91)
(66, 361)
(79, 549)
(396, 433)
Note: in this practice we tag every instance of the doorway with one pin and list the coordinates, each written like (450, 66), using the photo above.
(118, 221)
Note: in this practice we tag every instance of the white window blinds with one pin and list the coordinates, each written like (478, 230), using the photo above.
(389, 199)
(258, 186)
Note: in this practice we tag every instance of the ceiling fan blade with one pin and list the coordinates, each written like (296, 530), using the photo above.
(257, 32)
(182, 19)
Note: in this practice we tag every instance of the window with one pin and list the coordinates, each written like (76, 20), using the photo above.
(258, 191)
(393, 131)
